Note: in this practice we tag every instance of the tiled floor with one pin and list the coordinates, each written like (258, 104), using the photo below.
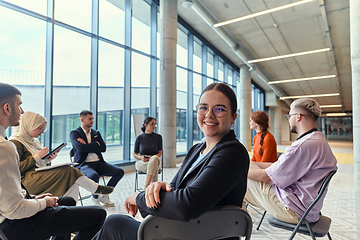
(339, 203)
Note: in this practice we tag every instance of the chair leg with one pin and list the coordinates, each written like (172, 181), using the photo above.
(262, 218)
(310, 230)
(81, 199)
(328, 234)
(136, 181)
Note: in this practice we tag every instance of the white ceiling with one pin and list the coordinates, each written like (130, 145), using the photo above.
(310, 26)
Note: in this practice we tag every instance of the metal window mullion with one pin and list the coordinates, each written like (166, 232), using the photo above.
(94, 61)
(216, 67)
(49, 66)
(127, 81)
(190, 92)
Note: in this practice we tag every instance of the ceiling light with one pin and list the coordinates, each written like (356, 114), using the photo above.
(187, 4)
(261, 13)
(301, 79)
(308, 96)
(330, 106)
(335, 114)
(289, 55)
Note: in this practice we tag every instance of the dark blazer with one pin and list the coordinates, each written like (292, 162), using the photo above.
(82, 150)
(220, 178)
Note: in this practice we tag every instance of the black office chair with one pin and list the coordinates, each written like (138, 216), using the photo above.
(137, 173)
(316, 229)
(71, 153)
(218, 223)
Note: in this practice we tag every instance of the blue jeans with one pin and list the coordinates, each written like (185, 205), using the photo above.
(95, 170)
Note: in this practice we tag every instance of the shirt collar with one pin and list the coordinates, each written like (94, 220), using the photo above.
(85, 130)
(308, 132)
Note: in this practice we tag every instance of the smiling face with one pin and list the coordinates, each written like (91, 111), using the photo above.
(215, 127)
(38, 131)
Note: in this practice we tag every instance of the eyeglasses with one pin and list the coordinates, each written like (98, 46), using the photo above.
(218, 111)
(43, 129)
(153, 124)
(250, 120)
(289, 116)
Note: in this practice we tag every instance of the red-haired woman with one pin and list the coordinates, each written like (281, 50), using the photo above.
(264, 142)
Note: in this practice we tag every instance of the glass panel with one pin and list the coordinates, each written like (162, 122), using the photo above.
(197, 134)
(181, 106)
(76, 13)
(111, 100)
(140, 90)
(336, 128)
(112, 20)
(141, 26)
(197, 57)
(181, 49)
(221, 71)
(230, 75)
(22, 57)
(38, 6)
(71, 84)
(210, 65)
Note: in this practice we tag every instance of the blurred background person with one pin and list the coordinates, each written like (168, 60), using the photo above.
(148, 150)
(264, 143)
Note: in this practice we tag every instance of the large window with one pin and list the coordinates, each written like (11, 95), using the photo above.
(75, 65)
(22, 57)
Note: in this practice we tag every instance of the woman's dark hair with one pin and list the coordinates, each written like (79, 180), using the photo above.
(262, 119)
(146, 121)
(226, 90)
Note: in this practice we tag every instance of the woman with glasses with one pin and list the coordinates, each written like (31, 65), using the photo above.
(57, 181)
(264, 149)
(148, 150)
(213, 173)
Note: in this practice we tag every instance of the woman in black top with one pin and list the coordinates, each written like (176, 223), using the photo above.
(214, 172)
(148, 150)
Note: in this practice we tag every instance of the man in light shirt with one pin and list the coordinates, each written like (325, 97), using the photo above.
(39, 217)
(88, 146)
(286, 188)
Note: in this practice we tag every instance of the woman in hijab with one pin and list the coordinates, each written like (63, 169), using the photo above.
(57, 181)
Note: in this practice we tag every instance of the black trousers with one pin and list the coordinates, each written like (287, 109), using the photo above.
(59, 222)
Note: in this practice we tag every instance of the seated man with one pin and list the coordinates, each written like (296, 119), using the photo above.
(25, 217)
(287, 187)
(88, 146)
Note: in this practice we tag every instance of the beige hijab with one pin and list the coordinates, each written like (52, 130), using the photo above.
(28, 122)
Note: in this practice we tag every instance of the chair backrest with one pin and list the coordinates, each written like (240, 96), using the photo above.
(278, 154)
(322, 189)
(218, 223)
(71, 153)
(2, 236)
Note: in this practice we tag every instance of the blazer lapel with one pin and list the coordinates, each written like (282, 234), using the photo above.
(194, 156)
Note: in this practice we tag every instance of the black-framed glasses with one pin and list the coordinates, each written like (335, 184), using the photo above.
(153, 124)
(289, 115)
(218, 110)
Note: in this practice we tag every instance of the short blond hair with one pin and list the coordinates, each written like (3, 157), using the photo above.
(309, 105)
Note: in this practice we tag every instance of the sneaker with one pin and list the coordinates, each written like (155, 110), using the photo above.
(103, 190)
(96, 201)
(106, 201)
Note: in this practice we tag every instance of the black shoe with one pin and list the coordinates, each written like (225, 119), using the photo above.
(104, 190)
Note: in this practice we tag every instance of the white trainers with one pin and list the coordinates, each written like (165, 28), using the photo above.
(106, 201)
(96, 201)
